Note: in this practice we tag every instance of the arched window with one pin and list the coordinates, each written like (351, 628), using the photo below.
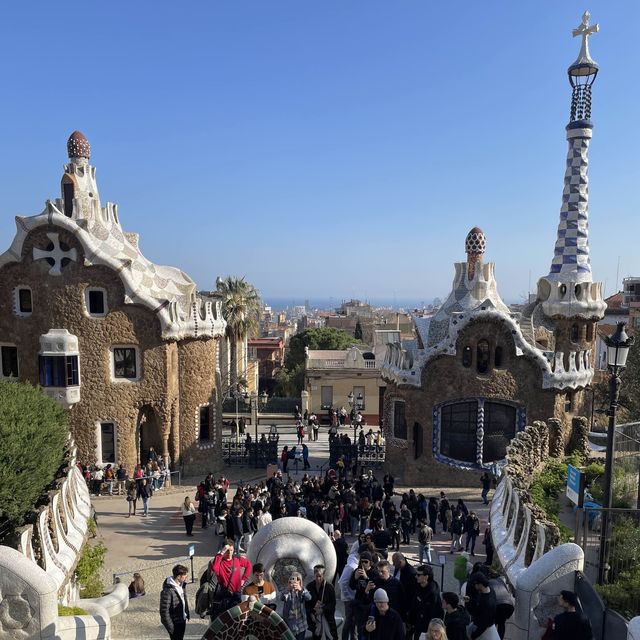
(467, 355)
(589, 331)
(475, 432)
(497, 359)
(575, 332)
(482, 356)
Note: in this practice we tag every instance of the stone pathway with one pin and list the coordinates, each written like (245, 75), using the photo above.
(152, 545)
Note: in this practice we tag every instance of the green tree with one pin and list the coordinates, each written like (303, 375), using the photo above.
(316, 338)
(240, 309)
(357, 334)
(290, 379)
(33, 434)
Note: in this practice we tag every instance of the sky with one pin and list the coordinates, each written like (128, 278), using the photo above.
(326, 148)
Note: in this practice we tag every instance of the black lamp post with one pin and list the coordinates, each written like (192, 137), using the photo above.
(618, 346)
(262, 399)
(356, 404)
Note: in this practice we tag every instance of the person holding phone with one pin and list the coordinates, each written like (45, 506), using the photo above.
(293, 612)
(383, 623)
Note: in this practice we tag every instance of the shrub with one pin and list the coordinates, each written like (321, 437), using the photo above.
(624, 594)
(33, 434)
(88, 570)
(545, 490)
(70, 611)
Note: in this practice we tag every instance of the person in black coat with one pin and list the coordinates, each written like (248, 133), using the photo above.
(456, 618)
(481, 604)
(383, 623)
(571, 623)
(321, 609)
(342, 553)
(393, 588)
(425, 604)
(174, 606)
(406, 573)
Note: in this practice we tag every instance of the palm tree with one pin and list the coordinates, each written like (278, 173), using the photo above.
(240, 309)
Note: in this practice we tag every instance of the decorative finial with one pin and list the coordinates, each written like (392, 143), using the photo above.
(585, 31)
(474, 245)
(78, 146)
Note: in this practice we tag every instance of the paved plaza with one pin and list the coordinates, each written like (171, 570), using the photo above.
(152, 545)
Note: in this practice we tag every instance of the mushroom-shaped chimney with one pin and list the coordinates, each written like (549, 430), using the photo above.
(78, 146)
(474, 245)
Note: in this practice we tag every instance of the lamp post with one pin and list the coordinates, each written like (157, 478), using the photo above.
(263, 398)
(618, 346)
(356, 404)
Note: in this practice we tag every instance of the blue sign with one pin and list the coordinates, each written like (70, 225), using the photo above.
(575, 485)
(191, 550)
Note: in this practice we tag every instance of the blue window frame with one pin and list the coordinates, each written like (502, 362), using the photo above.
(58, 371)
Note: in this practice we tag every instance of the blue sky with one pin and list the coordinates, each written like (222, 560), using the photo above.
(330, 148)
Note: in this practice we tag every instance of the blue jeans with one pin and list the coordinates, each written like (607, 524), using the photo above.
(354, 525)
(424, 550)
(484, 494)
(349, 626)
(145, 503)
(236, 544)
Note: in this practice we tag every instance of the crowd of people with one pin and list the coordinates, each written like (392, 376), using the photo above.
(384, 595)
(138, 486)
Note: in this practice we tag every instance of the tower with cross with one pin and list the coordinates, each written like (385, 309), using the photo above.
(568, 291)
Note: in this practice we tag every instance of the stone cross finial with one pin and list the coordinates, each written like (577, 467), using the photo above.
(585, 31)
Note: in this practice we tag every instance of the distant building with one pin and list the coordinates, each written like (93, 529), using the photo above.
(331, 375)
(269, 354)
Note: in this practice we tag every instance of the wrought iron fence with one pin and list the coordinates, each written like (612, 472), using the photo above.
(366, 455)
(621, 558)
(239, 452)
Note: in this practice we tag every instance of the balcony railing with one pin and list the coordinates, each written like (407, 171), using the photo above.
(339, 363)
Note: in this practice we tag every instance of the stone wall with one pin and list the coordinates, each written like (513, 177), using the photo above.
(518, 379)
(146, 411)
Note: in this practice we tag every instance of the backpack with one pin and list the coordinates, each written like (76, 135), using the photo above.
(205, 595)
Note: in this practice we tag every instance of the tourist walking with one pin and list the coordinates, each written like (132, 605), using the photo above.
(174, 606)
(487, 541)
(425, 536)
(188, 515)
(472, 529)
(145, 494)
(132, 497)
(293, 612)
(485, 481)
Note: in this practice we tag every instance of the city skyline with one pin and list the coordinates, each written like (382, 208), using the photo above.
(355, 148)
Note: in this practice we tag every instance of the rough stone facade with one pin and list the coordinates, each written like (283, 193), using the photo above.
(445, 379)
(175, 339)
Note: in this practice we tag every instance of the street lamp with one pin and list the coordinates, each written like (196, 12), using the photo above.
(237, 395)
(262, 399)
(618, 346)
(355, 402)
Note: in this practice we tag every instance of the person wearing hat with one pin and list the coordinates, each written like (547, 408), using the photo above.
(383, 623)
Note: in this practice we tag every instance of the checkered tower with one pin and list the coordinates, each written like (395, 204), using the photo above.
(568, 289)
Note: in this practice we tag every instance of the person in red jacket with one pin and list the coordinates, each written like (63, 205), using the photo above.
(231, 571)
